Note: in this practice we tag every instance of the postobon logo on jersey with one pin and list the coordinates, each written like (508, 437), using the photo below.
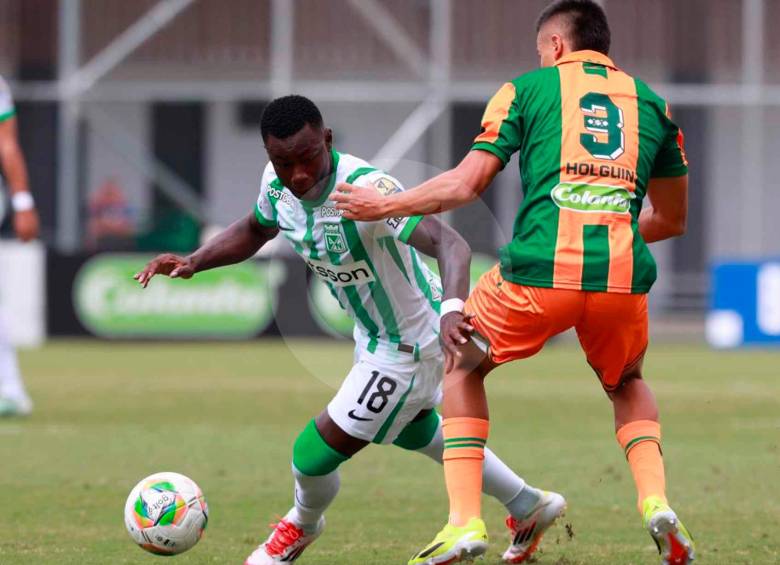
(280, 195)
(342, 275)
(592, 198)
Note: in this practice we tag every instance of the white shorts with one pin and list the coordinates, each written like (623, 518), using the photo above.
(377, 400)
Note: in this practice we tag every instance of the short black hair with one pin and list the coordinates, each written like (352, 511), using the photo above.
(588, 23)
(288, 115)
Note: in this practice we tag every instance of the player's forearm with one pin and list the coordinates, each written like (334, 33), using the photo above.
(14, 168)
(240, 241)
(438, 240)
(444, 192)
(654, 226)
(455, 266)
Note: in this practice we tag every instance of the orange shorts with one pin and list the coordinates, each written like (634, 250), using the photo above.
(517, 321)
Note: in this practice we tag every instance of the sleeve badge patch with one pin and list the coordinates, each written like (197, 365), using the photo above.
(386, 186)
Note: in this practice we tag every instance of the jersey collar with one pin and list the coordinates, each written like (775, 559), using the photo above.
(587, 56)
(334, 156)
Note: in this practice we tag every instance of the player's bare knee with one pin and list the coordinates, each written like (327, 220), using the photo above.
(335, 437)
(470, 359)
(631, 373)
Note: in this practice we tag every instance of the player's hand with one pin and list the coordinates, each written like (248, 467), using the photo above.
(166, 264)
(359, 203)
(456, 330)
(26, 225)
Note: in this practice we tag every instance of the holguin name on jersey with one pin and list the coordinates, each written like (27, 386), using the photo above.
(603, 171)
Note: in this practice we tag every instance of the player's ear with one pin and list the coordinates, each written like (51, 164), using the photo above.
(328, 138)
(558, 48)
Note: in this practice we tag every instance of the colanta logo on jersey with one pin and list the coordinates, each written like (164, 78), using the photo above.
(592, 198)
(349, 274)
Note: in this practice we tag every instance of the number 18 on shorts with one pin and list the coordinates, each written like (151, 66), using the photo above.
(377, 400)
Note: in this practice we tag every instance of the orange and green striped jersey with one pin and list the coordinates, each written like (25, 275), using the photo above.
(590, 138)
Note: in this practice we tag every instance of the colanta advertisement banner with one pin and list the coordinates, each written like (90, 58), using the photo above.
(232, 302)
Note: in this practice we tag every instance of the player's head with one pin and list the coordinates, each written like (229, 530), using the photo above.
(297, 142)
(571, 25)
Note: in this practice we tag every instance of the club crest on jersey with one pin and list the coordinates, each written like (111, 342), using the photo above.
(334, 238)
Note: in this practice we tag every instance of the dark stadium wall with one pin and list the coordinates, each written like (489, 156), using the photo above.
(40, 152)
(476, 223)
(37, 34)
(37, 60)
(690, 254)
(178, 142)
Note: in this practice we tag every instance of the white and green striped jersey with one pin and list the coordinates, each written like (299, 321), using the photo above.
(6, 101)
(377, 278)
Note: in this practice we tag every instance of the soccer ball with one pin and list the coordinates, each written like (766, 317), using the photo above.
(166, 513)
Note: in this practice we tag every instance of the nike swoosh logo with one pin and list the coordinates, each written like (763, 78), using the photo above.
(286, 229)
(430, 550)
(351, 414)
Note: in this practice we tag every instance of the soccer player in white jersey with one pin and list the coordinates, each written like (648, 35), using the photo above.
(374, 271)
(14, 400)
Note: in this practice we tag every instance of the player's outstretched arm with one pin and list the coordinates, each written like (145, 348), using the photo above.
(436, 239)
(26, 222)
(451, 189)
(240, 241)
(667, 214)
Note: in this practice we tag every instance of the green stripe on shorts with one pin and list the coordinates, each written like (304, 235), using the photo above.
(380, 435)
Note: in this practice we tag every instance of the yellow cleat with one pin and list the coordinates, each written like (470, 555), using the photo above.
(454, 544)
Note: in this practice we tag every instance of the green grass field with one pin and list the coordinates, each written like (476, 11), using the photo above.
(227, 414)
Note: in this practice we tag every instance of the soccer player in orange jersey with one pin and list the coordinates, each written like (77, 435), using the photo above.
(593, 143)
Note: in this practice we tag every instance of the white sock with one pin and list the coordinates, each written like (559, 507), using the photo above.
(525, 501)
(11, 385)
(313, 495)
(498, 480)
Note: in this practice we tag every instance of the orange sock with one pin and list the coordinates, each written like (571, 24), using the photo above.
(464, 452)
(641, 440)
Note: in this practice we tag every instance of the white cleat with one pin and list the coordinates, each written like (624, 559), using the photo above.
(15, 407)
(527, 533)
(285, 544)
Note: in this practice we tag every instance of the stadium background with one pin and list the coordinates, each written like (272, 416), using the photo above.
(160, 101)
(139, 122)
